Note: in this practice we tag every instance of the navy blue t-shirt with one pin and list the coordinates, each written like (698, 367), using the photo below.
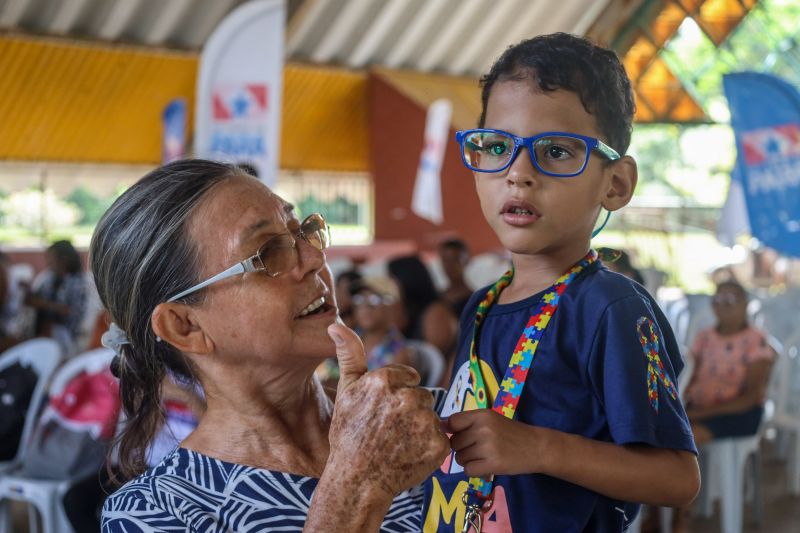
(589, 377)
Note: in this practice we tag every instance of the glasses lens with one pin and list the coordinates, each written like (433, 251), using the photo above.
(487, 151)
(561, 156)
(725, 299)
(371, 300)
(278, 255)
(316, 231)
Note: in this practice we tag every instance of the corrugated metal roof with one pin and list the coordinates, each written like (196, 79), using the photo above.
(68, 101)
(324, 119)
(424, 89)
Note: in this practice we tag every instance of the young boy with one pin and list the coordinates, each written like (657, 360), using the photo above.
(597, 422)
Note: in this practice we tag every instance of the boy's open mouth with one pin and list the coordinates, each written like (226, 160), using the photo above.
(519, 213)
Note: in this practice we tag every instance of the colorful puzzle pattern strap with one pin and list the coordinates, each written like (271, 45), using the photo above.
(655, 367)
(521, 359)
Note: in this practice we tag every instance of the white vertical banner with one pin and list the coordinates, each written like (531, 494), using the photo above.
(733, 219)
(427, 199)
(239, 88)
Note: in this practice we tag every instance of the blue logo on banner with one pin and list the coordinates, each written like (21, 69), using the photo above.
(173, 146)
(765, 115)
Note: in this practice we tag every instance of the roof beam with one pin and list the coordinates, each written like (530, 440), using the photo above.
(67, 15)
(417, 27)
(521, 28)
(369, 43)
(213, 14)
(13, 11)
(172, 13)
(342, 29)
(301, 24)
(118, 18)
(455, 28)
(590, 16)
(488, 30)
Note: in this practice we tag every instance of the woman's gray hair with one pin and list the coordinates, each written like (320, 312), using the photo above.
(140, 255)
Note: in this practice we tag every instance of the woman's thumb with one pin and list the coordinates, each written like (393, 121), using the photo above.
(350, 354)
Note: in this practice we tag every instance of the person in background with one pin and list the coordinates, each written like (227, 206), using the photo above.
(6, 340)
(454, 255)
(732, 360)
(60, 297)
(344, 290)
(425, 316)
(383, 343)
(624, 266)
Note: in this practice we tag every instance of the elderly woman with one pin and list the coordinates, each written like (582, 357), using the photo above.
(211, 277)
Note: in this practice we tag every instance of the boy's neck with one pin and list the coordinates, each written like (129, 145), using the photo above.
(535, 273)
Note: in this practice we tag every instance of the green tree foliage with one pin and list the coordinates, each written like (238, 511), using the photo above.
(90, 206)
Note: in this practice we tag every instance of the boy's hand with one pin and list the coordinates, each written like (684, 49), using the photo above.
(488, 443)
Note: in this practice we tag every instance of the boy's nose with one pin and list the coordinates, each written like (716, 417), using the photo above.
(521, 172)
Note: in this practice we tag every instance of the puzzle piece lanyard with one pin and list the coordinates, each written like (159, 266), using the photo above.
(477, 498)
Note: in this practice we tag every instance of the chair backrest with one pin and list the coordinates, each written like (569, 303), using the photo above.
(685, 376)
(90, 362)
(72, 432)
(430, 362)
(783, 390)
(43, 356)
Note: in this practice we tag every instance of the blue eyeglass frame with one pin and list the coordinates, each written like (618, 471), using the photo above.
(592, 144)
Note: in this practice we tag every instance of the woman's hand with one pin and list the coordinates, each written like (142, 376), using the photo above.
(384, 431)
(384, 438)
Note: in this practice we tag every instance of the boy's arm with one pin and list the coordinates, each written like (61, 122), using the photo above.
(488, 443)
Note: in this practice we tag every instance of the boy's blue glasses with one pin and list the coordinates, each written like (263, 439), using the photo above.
(553, 153)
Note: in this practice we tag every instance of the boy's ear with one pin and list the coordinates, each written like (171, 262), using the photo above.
(177, 324)
(624, 176)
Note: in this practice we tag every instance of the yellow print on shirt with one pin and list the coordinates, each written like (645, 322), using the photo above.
(448, 513)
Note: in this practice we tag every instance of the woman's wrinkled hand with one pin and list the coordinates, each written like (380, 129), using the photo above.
(384, 432)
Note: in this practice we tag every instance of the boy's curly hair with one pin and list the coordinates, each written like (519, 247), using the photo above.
(564, 61)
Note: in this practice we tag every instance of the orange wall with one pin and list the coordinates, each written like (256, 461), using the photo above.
(396, 126)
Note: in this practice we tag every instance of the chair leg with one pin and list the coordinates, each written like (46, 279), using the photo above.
(758, 497)
(33, 518)
(794, 464)
(6, 520)
(705, 502)
(732, 497)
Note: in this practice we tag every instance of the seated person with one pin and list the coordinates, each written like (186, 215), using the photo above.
(726, 394)
(454, 255)
(60, 297)
(424, 315)
(383, 343)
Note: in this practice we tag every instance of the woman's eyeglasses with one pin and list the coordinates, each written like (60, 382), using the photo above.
(726, 299)
(276, 256)
(558, 154)
(371, 300)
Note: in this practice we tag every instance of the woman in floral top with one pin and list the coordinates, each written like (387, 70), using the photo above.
(733, 360)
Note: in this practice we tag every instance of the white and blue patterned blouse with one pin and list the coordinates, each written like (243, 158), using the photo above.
(189, 491)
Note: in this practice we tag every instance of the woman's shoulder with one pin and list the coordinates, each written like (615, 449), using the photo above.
(187, 487)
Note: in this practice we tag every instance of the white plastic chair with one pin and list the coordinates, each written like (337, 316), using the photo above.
(723, 467)
(429, 360)
(44, 494)
(43, 356)
(786, 417)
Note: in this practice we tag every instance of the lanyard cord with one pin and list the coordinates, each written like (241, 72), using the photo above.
(478, 494)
